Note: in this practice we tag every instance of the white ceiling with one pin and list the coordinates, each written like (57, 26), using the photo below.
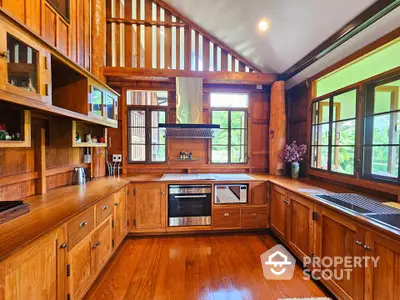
(296, 26)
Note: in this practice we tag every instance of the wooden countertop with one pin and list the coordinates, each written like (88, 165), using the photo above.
(53, 209)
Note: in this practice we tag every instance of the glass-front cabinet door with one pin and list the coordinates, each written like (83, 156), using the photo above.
(24, 65)
(96, 102)
(111, 108)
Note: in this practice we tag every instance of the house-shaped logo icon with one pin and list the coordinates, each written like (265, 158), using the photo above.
(278, 263)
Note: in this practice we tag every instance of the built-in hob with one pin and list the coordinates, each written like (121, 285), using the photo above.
(390, 219)
(10, 210)
(7, 205)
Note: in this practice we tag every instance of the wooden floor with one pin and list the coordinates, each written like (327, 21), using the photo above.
(199, 267)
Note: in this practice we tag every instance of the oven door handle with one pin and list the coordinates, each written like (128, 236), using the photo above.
(191, 196)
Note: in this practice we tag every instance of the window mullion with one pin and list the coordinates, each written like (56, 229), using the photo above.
(229, 137)
(330, 133)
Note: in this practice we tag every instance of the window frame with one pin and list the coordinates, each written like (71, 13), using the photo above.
(148, 133)
(229, 145)
(66, 17)
(331, 122)
(368, 90)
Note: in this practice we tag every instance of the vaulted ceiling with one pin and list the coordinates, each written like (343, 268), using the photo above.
(296, 26)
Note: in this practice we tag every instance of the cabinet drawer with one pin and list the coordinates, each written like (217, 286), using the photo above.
(80, 227)
(254, 217)
(104, 209)
(226, 217)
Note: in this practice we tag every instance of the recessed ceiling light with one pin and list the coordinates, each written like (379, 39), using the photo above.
(263, 25)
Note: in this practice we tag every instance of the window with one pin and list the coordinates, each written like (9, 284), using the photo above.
(381, 132)
(145, 111)
(230, 144)
(146, 142)
(62, 6)
(333, 133)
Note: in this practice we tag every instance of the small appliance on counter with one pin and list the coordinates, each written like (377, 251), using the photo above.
(230, 193)
(12, 209)
(79, 176)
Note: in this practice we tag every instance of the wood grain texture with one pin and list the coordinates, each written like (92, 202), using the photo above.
(202, 267)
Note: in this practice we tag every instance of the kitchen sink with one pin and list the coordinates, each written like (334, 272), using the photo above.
(392, 220)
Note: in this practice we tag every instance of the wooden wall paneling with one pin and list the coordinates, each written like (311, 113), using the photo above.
(80, 33)
(33, 15)
(63, 36)
(224, 60)
(168, 42)
(124, 130)
(158, 37)
(49, 25)
(109, 44)
(17, 191)
(40, 159)
(148, 44)
(87, 34)
(128, 34)
(188, 48)
(98, 162)
(73, 29)
(16, 8)
(98, 35)
(117, 33)
(206, 54)
(138, 38)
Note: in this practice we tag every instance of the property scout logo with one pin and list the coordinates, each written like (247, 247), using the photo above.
(278, 264)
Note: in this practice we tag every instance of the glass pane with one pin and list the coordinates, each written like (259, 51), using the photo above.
(386, 97)
(376, 62)
(385, 128)
(344, 133)
(384, 160)
(220, 118)
(345, 105)
(320, 134)
(137, 118)
(343, 160)
(110, 108)
(97, 102)
(151, 98)
(157, 136)
(238, 137)
(137, 152)
(229, 100)
(221, 137)
(219, 154)
(238, 119)
(137, 136)
(239, 154)
(22, 65)
(320, 112)
(319, 157)
(62, 6)
(158, 153)
(157, 117)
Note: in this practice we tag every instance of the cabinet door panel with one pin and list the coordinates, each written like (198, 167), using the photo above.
(103, 242)
(81, 267)
(278, 211)
(301, 227)
(382, 282)
(150, 206)
(120, 216)
(259, 195)
(336, 236)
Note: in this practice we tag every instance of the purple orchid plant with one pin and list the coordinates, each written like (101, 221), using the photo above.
(293, 153)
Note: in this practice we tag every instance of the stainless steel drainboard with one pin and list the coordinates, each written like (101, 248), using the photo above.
(360, 204)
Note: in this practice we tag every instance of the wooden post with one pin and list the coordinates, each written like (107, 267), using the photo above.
(98, 37)
(277, 128)
(40, 160)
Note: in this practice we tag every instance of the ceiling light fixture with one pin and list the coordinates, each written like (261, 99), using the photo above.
(263, 25)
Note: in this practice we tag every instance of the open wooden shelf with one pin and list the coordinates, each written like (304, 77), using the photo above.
(85, 128)
(16, 120)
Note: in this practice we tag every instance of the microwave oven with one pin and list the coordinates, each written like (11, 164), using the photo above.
(230, 193)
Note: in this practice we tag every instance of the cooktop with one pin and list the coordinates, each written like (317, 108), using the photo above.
(388, 219)
(6, 205)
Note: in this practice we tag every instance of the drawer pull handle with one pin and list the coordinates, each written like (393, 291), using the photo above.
(286, 202)
(83, 224)
(116, 204)
(358, 243)
(96, 245)
(226, 214)
(367, 248)
(63, 246)
(254, 214)
(105, 207)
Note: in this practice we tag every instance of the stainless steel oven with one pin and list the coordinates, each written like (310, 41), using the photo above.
(189, 205)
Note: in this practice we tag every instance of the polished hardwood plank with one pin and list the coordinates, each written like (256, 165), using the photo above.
(197, 267)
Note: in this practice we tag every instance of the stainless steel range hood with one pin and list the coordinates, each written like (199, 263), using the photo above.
(189, 112)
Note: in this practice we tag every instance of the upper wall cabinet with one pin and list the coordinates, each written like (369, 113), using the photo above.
(103, 104)
(64, 24)
(24, 66)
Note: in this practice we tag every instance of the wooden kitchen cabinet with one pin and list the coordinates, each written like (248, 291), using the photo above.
(25, 66)
(120, 217)
(301, 225)
(102, 241)
(254, 217)
(259, 193)
(382, 282)
(279, 204)
(150, 206)
(338, 236)
(33, 272)
(226, 217)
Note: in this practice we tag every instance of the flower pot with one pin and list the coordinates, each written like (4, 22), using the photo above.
(295, 170)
